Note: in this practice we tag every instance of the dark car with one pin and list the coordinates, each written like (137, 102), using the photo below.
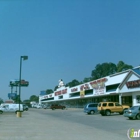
(25, 107)
(56, 106)
(132, 113)
(91, 108)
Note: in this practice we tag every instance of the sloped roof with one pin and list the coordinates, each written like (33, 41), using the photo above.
(116, 78)
(127, 77)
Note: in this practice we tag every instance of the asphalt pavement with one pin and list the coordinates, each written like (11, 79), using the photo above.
(35, 125)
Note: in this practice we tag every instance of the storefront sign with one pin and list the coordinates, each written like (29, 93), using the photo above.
(82, 93)
(133, 84)
(61, 92)
(99, 86)
(84, 87)
(74, 89)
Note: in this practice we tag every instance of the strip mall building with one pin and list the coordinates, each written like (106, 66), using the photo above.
(123, 87)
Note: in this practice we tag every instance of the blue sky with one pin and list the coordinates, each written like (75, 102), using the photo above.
(64, 39)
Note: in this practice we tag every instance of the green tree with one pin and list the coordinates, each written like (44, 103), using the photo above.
(121, 66)
(102, 70)
(26, 101)
(55, 88)
(87, 79)
(16, 100)
(34, 98)
(49, 91)
(1, 100)
(73, 83)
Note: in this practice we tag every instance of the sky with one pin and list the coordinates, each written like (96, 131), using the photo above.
(64, 39)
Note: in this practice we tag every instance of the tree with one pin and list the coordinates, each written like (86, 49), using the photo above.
(49, 91)
(121, 66)
(1, 100)
(73, 83)
(55, 88)
(26, 101)
(102, 70)
(34, 98)
(16, 100)
(87, 80)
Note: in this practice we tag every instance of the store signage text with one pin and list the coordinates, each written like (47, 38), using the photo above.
(133, 84)
(84, 87)
(61, 92)
(99, 86)
(74, 89)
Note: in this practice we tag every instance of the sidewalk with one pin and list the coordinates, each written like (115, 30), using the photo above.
(27, 127)
(31, 126)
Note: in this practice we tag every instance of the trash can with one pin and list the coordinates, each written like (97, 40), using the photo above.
(19, 113)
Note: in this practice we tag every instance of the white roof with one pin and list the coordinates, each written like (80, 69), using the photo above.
(116, 78)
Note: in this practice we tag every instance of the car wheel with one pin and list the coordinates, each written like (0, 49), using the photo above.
(130, 118)
(102, 114)
(92, 112)
(138, 116)
(121, 113)
(108, 113)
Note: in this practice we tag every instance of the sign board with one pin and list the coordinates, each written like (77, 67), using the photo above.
(12, 95)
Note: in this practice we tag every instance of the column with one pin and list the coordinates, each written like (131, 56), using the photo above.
(120, 98)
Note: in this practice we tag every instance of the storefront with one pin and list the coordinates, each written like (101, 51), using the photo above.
(123, 87)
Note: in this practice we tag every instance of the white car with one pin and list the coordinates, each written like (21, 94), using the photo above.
(10, 108)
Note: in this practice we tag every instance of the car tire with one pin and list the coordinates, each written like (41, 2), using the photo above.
(92, 112)
(102, 114)
(130, 118)
(138, 117)
(121, 113)
(107, 112)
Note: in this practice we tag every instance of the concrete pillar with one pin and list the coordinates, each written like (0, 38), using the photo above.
(40, 101)
(120, 98)
(134, 101)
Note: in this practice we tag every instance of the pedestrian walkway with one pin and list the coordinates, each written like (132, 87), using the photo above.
(31, 126)
(27, 127)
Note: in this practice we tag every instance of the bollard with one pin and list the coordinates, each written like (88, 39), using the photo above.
(19, 114)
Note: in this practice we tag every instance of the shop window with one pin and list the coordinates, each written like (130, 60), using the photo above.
(111, 88)
(138, 98)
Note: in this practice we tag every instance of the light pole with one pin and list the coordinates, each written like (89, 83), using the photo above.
(24, 58)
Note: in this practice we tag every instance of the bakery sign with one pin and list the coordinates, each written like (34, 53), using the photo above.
(99, 86)
(133, 84)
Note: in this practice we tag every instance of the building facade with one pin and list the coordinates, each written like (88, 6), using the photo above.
(123, 87)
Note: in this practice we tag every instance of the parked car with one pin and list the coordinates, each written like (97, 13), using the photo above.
(38, 106)
(46, 106)
(132, 113)
(10, 108)
(91, 108)
(106, 108)
(25, 107)
(56, 106)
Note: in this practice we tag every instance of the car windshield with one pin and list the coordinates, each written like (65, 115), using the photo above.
(134, 107)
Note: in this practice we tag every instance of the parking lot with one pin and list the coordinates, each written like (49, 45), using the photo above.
(69, 124)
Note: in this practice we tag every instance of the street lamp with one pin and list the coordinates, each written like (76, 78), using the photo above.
(24, 58)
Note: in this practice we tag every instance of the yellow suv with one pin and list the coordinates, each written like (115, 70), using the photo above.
(106, 108)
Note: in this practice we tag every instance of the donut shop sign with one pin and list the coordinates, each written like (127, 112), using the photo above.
(133, 84)
(99, 86)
